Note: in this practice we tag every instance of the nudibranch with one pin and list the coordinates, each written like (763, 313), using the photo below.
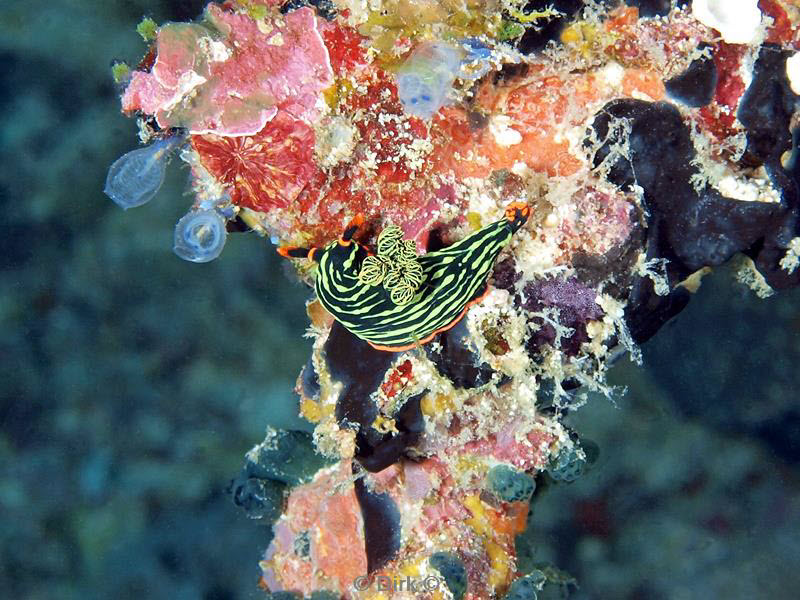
(396, 300)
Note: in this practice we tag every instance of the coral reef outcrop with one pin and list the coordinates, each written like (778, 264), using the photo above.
(647, 144)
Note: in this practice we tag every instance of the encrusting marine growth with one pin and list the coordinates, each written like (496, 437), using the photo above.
(495, 198)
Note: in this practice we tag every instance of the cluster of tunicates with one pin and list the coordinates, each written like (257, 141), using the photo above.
(426, 78)
(261, 499)
(285, 456)
(135, 178)
(283, 460)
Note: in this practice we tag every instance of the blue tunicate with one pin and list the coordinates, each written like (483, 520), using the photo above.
(221, 204)
(426, 78)
(568, 465)
(227, 211)
(134, 178)
(476, 50)
(200, 236)
(261, 499)
(476, 63)
(525, 588)
(452, 570)
(509, 484)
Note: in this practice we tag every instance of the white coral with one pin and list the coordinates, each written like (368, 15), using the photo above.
(738, 21)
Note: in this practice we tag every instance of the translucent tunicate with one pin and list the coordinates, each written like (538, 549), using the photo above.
(221, 202)
(426, 78)
(134, 178)
(200, 236)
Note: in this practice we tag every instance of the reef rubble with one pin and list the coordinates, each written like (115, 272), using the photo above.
(649, 142)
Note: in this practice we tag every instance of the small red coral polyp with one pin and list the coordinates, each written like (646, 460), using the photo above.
(781, 30)
(397, 380)
(265, 170)
(345, 47)
(720, 115)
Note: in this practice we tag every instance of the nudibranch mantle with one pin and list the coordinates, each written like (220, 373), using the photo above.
(453, 279)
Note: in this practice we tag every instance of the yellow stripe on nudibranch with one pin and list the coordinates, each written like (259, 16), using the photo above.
(396, 300)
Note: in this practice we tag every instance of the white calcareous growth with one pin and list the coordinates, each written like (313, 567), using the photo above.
(334, 141)
(503, 133)
(738, 21)
(793, 72)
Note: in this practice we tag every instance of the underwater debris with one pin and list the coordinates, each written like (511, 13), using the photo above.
(566, 171)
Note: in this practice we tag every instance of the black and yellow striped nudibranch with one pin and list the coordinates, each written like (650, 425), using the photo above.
(395, 299)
